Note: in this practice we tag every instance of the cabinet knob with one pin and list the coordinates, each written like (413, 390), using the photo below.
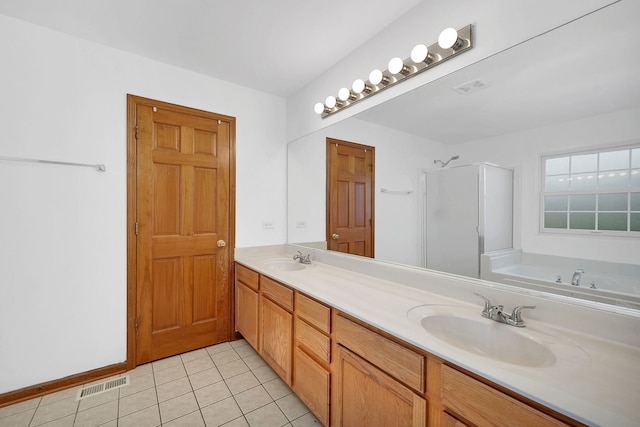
(221, 243)
(335, 236)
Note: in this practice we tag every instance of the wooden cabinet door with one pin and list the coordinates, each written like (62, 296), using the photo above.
(247, 313)
(311, 382)
(276, 337)
(366, 396)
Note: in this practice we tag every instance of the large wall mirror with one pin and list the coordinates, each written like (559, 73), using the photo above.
(571, 89)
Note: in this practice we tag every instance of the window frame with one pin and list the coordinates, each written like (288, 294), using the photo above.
(595, 191)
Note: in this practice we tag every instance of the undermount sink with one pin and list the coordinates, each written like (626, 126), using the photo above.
(465, 329)
(489, 339)
(284, 265)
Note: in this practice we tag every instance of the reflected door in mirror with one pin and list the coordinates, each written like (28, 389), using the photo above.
(350, 171)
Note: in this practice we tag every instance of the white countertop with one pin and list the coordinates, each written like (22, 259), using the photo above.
(596, 379)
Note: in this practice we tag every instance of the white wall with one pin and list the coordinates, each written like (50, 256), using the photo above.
(62, 229)
(522, 151)
(499, 24)
(399, 158)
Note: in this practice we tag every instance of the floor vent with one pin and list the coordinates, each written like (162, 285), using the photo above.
(108, 385)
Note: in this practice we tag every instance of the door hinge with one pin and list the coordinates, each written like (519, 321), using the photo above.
(136, 131)
(136, 324)
(136, 228)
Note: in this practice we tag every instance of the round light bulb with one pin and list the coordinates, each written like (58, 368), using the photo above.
(375, 77)
(344, 94)
(419, 53)
(330, 101)
(448, 38)
(358, 85)
(395, 65)
(319, 108)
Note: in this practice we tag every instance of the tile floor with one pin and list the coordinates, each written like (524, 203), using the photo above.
(226, 384)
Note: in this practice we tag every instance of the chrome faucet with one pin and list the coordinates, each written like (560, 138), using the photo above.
(304, 259)
(497, 314)
(577, 275)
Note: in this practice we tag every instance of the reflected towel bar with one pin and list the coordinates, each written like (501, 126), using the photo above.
(98, 167)
(384, 190)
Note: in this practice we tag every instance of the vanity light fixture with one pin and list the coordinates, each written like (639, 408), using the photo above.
(450, 43)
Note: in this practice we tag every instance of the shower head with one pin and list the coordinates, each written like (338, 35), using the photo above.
(443, 164)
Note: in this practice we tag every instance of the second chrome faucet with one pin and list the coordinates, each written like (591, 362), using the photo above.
(495, 312)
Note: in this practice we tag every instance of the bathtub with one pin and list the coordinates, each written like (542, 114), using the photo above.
(610, 283)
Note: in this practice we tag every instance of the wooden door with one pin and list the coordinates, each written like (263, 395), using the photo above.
(183, 204)
(350, 172)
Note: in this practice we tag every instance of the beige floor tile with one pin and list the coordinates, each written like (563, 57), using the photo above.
(212, 393)
(97, 415)
(141, 370)
(20, 419)
(138, 384)
(221, 412)
(225, 346)
(205, 378)
(292, 407)
(245, 351)
(232, 369)
(265, 374)
(178, 407)
(113, 423)
(173, 389)
(149, 417)
(169, 362)
(61, 422)
(224, 357)
(267, 416)
(19, 407)
(254, 362)
(169, 374)
(60, 395)
(194, 355)
(198, 365)
(242, 382)
(252, 399)
(54, 411)
(137, 402)
(277, 388)
(193, 419)
(238, 343)
(238, 422)
(307, 420)
(98, 399)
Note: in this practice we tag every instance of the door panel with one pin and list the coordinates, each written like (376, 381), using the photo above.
(350, 172)
(182, 212)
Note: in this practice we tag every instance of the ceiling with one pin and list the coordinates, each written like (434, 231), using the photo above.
(588, 67)
(276, 46)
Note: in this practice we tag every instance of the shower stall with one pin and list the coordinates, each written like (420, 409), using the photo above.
(468, 210)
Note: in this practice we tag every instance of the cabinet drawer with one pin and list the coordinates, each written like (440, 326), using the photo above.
(277, 293)
(400, 362)
(313, 341)
(247, 276)
(315, 313)
(485, 406)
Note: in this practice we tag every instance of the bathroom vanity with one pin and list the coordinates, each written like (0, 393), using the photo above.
(363, 342)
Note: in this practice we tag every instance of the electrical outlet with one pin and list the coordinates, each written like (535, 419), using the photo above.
(301, 224)
(267, 225)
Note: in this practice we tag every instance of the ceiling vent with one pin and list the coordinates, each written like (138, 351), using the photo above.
(471, 87)
(108, 385)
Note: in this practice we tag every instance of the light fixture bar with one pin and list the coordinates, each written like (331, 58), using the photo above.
(437, 54)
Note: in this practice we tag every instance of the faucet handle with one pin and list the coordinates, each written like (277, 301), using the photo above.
(487, 304)
(516, 317)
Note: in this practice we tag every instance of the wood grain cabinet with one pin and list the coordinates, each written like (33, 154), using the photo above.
(377, 381)
(312, 355)
(276, 326)
(247, 286)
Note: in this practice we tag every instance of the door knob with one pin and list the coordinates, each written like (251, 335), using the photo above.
(335, 236)
(221, 243)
